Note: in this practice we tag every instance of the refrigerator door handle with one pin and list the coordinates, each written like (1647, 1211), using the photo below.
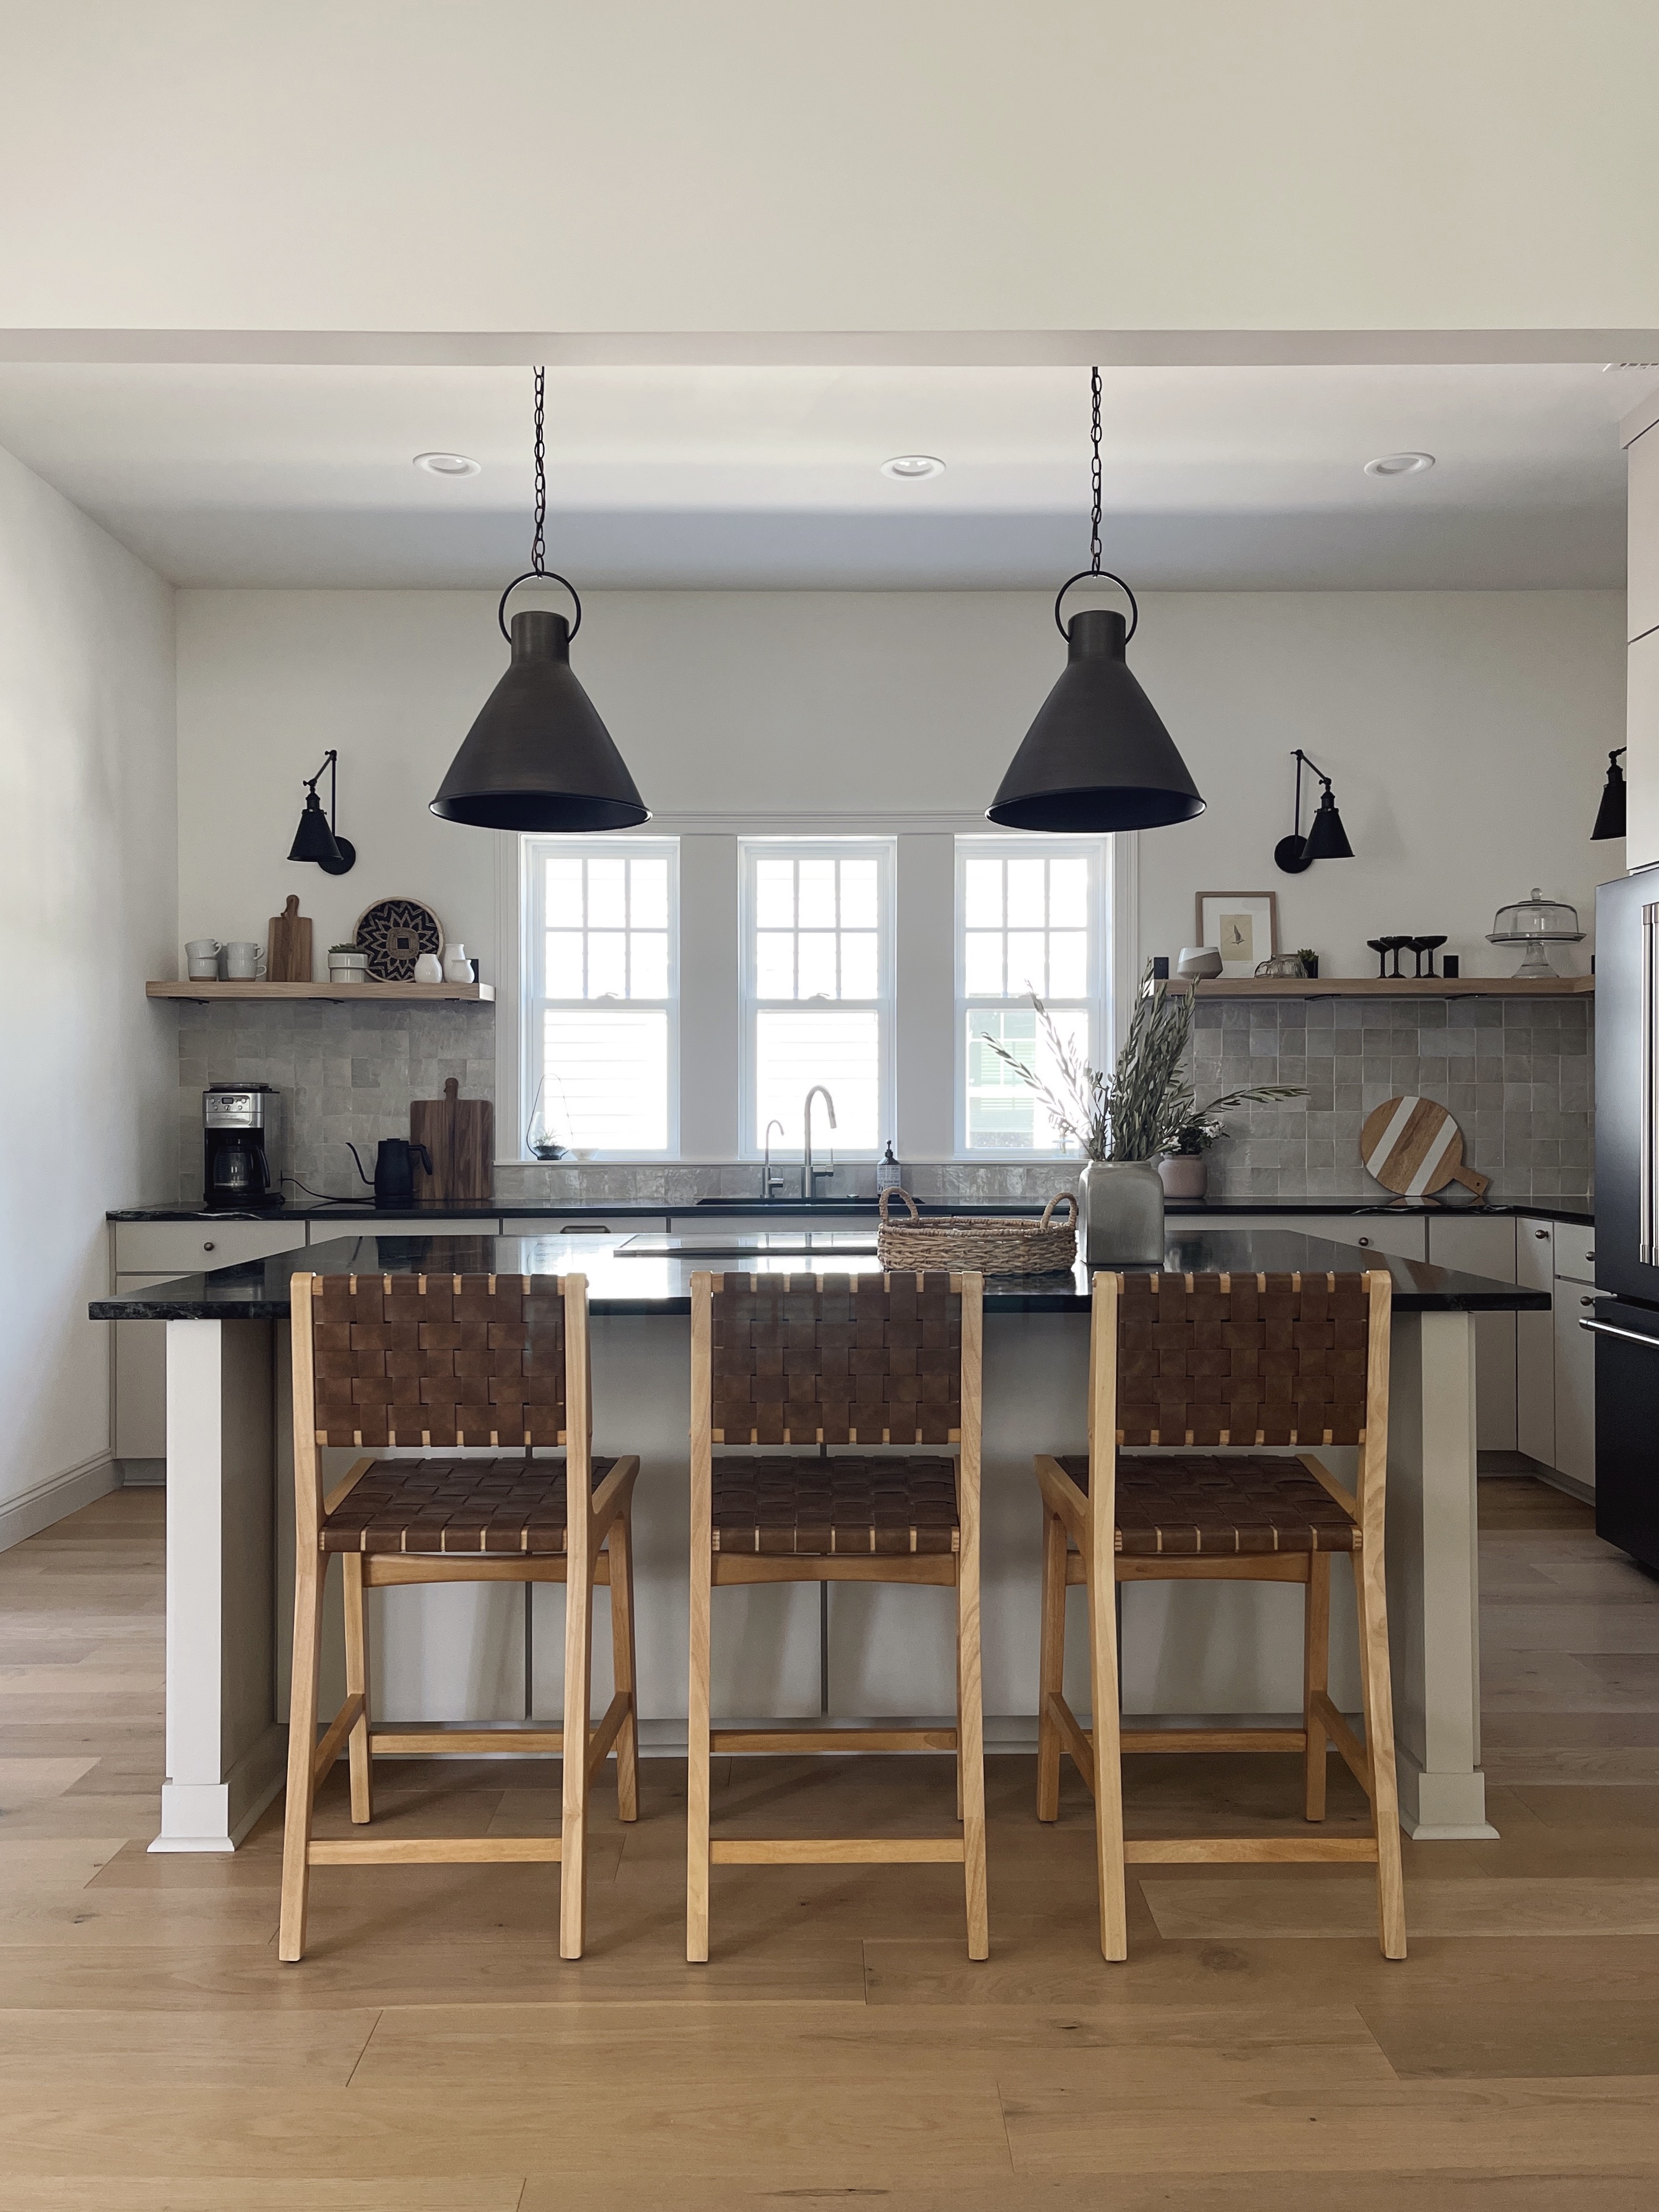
(1630, 1335)
(1647, 1231)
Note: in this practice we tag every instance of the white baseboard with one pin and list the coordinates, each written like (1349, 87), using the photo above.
(58, 1495)
(143, 1473)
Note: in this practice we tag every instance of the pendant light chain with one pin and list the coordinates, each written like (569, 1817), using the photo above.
(539, 541)
(1094, 432)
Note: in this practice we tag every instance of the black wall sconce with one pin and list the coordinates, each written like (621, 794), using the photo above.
(1610, 814)
(1327, 840)
(316, 838)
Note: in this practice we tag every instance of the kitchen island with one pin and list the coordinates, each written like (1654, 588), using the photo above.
(483, 1653)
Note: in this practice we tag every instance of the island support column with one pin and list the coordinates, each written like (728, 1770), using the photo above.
(225, 1752)
(1434, 1611)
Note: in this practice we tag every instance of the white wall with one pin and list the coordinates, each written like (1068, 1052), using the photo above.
(884, 166)
(1467, 732)
(88, 910)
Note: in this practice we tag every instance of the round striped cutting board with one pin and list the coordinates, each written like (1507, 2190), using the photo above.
(1413, 1146)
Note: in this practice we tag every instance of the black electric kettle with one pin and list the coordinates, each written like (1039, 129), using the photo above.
(394, 1170)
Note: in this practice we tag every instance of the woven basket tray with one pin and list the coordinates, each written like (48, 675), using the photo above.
(984, 1244)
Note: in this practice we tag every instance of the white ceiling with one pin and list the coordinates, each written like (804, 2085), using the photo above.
(1215, 478)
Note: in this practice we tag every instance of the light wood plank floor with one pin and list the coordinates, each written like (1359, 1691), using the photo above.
(433, 2055)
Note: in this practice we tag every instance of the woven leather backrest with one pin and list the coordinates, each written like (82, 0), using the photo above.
(847, 1359)
(438, 1359)
(1241, 1359)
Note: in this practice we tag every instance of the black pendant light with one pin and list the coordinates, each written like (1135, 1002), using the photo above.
(1610, 814)
(1327, 840)
(316, 838)
(538, 756)
(1096, 757)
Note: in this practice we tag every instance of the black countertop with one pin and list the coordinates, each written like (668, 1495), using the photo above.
(659, 1283)
(1573, 1209)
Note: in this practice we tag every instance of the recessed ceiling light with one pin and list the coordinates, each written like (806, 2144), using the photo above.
(910, 467)
(1400, 465)
(447, 465)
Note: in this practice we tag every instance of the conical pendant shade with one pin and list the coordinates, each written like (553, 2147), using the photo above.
(1096, 757)
(1610, 815)
(538, 756)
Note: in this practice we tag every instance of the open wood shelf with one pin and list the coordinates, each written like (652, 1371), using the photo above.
(475, 992)
(1374, 986)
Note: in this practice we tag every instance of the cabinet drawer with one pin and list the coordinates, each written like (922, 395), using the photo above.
(369, 1224)
(183, 1248)
(1575, 1252)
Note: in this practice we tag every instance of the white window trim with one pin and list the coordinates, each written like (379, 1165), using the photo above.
(527, 924)
(883, 851)
(1107, 990)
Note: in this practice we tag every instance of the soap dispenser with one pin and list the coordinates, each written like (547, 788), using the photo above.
(890, 1175)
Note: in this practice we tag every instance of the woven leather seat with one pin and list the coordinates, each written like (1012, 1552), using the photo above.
(1201, 1506)
(824, 1508)
(456, 1505)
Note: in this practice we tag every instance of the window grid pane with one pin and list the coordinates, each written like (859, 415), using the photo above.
(818, 998)
(1025, 925)
(601, 1034)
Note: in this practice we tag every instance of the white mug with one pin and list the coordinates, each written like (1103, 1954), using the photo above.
(244, 962)
(202, 958)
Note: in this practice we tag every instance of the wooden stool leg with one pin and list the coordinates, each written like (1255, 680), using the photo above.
(620, 1544)
(1379, 1745)
(577, 1728)
(356, 1659)
(301, 1752)
(970, 1754)
(1108, 1767)
(697, 1754)
(1051, 1665)
(1316, 1676)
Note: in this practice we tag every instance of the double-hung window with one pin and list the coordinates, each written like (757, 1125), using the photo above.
(1029, 921)
(601, 960)
(817, 991)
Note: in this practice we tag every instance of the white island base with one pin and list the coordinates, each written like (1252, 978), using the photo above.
(484, 1652)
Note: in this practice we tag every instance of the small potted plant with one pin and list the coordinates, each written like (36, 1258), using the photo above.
(347, 963)
(1185, 1166)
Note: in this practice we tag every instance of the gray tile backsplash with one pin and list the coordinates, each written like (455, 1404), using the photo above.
(345, 1072)
(1516, 1072)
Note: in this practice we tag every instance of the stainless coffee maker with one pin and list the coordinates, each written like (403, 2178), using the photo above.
(242, 1160)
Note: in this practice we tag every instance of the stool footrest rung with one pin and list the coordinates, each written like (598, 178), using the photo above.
(832, 1739)
(433, 1850)
(1185, 1739)
(472, 1743)
(1244, 1850)
(837, 1850)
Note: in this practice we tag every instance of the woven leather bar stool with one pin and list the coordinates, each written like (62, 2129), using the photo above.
(466, 1363)
(861, 1360)
(1225, 1363)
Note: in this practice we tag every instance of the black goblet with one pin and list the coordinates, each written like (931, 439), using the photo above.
(1431, 945)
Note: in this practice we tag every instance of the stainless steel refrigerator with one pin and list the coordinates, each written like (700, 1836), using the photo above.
(1626, 1321)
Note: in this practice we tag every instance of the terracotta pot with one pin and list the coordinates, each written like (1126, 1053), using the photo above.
(1184, 1175)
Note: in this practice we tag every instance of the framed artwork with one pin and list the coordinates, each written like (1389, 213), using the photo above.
(1243, 926)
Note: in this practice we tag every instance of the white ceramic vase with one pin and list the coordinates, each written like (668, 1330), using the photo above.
(429, 969)
(458, 969)
(1121, 1202)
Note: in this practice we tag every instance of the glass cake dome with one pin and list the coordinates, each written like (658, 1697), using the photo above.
(1535, 922)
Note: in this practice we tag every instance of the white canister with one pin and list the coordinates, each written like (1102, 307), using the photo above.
(458, 969)
(348, 967)
(429, 969)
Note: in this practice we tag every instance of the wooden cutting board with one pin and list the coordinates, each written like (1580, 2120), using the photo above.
(460, 1135)
(1413, 1146)
(288, 947)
